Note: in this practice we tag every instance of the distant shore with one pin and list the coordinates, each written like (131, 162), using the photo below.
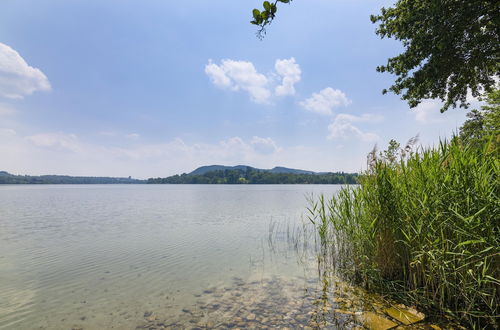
(237, 176)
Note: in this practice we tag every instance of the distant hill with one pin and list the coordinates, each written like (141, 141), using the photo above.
(241, 174)
(279, 169)
(210, 168)
(7, 178)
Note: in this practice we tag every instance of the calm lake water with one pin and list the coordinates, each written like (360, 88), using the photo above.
(180, 256)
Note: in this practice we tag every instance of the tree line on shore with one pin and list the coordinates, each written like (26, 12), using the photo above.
(7, 178)
(252, 176)
(237, 176)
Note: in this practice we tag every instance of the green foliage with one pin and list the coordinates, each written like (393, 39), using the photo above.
(7, 178)
(451, 47)
(390, 155)
(424, 229)
(252, 176)
(483, 125)
(473, 128)
(265, 17)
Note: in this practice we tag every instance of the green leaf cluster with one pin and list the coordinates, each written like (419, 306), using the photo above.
(264, 17)
(483, 125)
(451, 48)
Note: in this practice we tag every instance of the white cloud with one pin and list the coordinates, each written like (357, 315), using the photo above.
(59, 141)
(218, 75)
(133, 136)
(17, 78)
(240, 75)
(366, 117)
(264, 145)
(65, 153)
(428, 112)
(342, 127)
(290, 72)
(324, 101)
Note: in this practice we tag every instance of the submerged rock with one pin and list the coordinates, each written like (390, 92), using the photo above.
(283, 304)
(375, 322)
(404, 315)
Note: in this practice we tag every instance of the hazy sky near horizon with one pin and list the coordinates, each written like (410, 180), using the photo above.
(154, 88)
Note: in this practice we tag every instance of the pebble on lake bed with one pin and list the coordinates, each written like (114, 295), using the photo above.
(286, 304)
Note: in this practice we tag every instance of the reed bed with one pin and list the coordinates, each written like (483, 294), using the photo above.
(422, 228)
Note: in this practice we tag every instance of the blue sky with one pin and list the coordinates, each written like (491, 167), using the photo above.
(154, 88)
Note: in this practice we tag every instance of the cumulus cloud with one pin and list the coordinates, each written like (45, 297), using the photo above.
(66, 153)
(264, 145)
(240, 75)
(342, 127)
(218, 75)
(17, 78)
(366, 117)
(428, 112)
(324, 101)
(290, 73)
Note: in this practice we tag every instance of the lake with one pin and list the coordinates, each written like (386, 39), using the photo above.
(154, 256)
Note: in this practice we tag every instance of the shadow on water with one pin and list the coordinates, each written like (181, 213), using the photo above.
(317, 300)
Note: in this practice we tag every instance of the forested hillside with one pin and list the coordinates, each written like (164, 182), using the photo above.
(252, 176)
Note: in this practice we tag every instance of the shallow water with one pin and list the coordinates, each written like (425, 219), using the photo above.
(117, 256)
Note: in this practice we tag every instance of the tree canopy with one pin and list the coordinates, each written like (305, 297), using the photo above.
(252, 176)
(483, 125)
(452, 47)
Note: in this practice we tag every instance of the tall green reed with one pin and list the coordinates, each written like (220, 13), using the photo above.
(424, 229)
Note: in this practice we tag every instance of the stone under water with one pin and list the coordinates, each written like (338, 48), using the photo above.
(404, 315)
(375, 321)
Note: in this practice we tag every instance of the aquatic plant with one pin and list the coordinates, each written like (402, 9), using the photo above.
(422, 227)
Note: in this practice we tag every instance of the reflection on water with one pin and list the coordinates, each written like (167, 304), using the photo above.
(168, 256)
